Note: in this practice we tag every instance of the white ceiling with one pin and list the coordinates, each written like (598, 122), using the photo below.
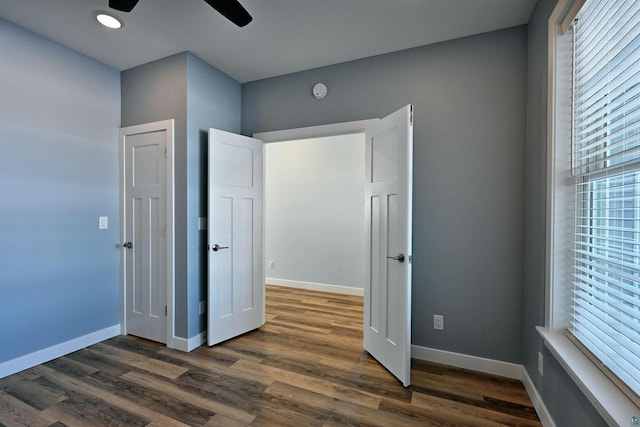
(285, 35)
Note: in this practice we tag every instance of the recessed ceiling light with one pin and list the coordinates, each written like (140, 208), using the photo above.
(108, 20)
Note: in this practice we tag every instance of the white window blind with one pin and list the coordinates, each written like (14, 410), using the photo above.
(605, 285)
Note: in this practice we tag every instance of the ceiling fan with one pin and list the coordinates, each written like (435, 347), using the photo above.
(230, 9)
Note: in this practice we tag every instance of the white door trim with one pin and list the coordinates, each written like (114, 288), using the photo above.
(168, 126)
(320, 131)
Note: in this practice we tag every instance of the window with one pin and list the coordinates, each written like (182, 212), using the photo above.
(595, 272)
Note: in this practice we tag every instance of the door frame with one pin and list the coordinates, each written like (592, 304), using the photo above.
(320, 131)
(167, 126)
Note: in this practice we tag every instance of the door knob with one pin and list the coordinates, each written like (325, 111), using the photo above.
(128, 245)
(399, 257)
(217, 247)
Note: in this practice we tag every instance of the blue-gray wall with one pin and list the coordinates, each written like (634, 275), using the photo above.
(469, 138)
(59, 120)
(566, 403)
(197, 96)
(213, 101)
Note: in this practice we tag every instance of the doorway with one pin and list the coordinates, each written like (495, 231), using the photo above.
(273, 249)
(314, 223)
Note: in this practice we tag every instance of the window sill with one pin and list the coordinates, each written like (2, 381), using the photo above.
(612, 404)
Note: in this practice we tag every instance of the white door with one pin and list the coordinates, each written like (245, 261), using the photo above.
(236, 276)
(145, 229)
(388, 177)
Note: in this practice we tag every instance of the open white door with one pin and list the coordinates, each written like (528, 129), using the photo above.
(236, 276)
(388, 197)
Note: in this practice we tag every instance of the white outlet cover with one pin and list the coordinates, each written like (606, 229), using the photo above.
(540, 363)
(438, 322)
(103, 222)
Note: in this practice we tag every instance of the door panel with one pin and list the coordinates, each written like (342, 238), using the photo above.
(146, 224)
(236, 276)
(388, 195)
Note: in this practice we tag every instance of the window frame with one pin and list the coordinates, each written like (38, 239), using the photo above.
(614, 406)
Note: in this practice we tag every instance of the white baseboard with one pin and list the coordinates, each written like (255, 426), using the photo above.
(536, 399)
(58, 350)
(480, 364)
(187, 345)
(313, 286)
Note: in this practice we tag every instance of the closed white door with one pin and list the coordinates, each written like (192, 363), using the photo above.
(236, 276)
(388, 198)
(145, 232)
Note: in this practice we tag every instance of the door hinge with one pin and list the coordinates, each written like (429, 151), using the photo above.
(410, 259)
(165, 153)
(411, 117)
(165, 310)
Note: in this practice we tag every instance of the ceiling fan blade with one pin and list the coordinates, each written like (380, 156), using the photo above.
(123, 5)
(232, 10)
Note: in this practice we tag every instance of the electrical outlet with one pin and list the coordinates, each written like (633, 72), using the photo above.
(540, 362)
(203, 307)
(103, 222)
(271, 265)
(438, 322)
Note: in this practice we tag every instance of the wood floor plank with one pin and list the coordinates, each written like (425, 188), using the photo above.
(156, 366)
(465, 413)
(15, 413)
(202, 361)
(340, 409)
(226, 351)
(66, 382)
(172, 389)
(84, 411)
(468, 382)
(305, 367)
(99, 361)
(32, 393)
(220, 420)
(327, 388)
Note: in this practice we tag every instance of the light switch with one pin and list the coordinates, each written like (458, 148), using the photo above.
(103, 222)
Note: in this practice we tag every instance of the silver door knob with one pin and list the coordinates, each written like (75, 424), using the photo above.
(399, 257)
(128, 245)
(217, 247)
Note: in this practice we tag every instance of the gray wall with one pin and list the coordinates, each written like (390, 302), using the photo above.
(469, 138)
(59, 119)
(213, 100)
(197, 96)
(565, 401)
(314, 222)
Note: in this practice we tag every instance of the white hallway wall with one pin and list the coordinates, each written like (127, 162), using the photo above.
(314, 218)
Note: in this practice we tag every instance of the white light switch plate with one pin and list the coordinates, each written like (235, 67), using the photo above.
(103, 222)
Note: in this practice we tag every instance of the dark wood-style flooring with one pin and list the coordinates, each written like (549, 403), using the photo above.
(304, 367)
